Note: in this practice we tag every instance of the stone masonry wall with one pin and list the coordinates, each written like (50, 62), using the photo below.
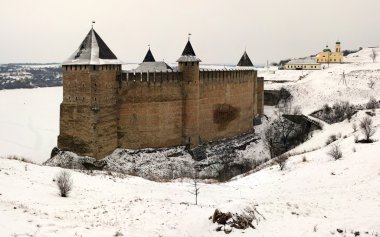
(260, 95)
(150, 110)
(88, 116)
(226, 103)
(104, 109)
(152, 107)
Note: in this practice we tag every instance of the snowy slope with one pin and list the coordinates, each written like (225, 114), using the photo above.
(313, 198)
(326, 86)
(29, 122)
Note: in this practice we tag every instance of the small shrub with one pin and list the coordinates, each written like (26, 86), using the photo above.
(372, 103)
(281, 161)
(118, 234)
(354, 127)
(337, 113)
(332, 138)
(367, 129)
(335, 152)
(64, 183)
(371, 83)
(326, 109)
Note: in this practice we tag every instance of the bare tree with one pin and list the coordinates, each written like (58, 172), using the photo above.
(196, 188)
(373, 55)
(269, 141)
(366, 127)
(285, 101)
(64, 183)
(335, 152)
(371, 83)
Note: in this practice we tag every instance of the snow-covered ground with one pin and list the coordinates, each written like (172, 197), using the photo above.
(312, 198)
(29, 122)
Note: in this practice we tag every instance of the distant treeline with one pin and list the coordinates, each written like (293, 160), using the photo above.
(16, 76)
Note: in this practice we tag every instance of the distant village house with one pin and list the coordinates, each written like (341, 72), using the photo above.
(303, 64)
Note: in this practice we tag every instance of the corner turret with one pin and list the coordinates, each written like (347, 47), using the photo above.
(88, 121)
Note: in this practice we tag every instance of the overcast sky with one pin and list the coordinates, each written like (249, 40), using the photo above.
(51, 30)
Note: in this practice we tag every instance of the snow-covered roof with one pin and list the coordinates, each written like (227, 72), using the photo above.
(245, 61)
(188, 54)
(92, 51)
(153, 67)
(306, 61)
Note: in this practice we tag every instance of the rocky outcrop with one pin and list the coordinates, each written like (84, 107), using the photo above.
(219, 160)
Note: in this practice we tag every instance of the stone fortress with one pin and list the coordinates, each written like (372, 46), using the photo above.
(154, 106)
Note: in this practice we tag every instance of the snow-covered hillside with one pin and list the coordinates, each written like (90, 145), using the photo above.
(312, 198)
(326, 86)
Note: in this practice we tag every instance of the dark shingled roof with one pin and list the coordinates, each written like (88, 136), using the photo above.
(149, 57)
(104, 51)
(245, 61)
(93, 50)
(188, 51)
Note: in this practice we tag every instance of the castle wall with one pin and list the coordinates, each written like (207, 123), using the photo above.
(260, 95)
(150, 110)
(226, 103)
(158, 109)
(104, 109)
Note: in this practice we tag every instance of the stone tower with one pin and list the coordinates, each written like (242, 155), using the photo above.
(337, 47)
(188, 65)
(88, 112)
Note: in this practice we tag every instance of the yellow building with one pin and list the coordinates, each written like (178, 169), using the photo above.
(330, 57)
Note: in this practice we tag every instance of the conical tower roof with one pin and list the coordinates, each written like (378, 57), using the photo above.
(188, 54)
(245, 61)
(149, 57)
(92, 51)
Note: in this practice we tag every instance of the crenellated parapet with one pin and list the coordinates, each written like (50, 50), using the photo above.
(151, 78)
(226, 75)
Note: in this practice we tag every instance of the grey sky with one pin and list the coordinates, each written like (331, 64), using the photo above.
(51, 30)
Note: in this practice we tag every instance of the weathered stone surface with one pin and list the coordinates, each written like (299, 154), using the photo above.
(104, 109)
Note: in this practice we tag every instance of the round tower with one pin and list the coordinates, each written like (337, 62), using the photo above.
(188, 65)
